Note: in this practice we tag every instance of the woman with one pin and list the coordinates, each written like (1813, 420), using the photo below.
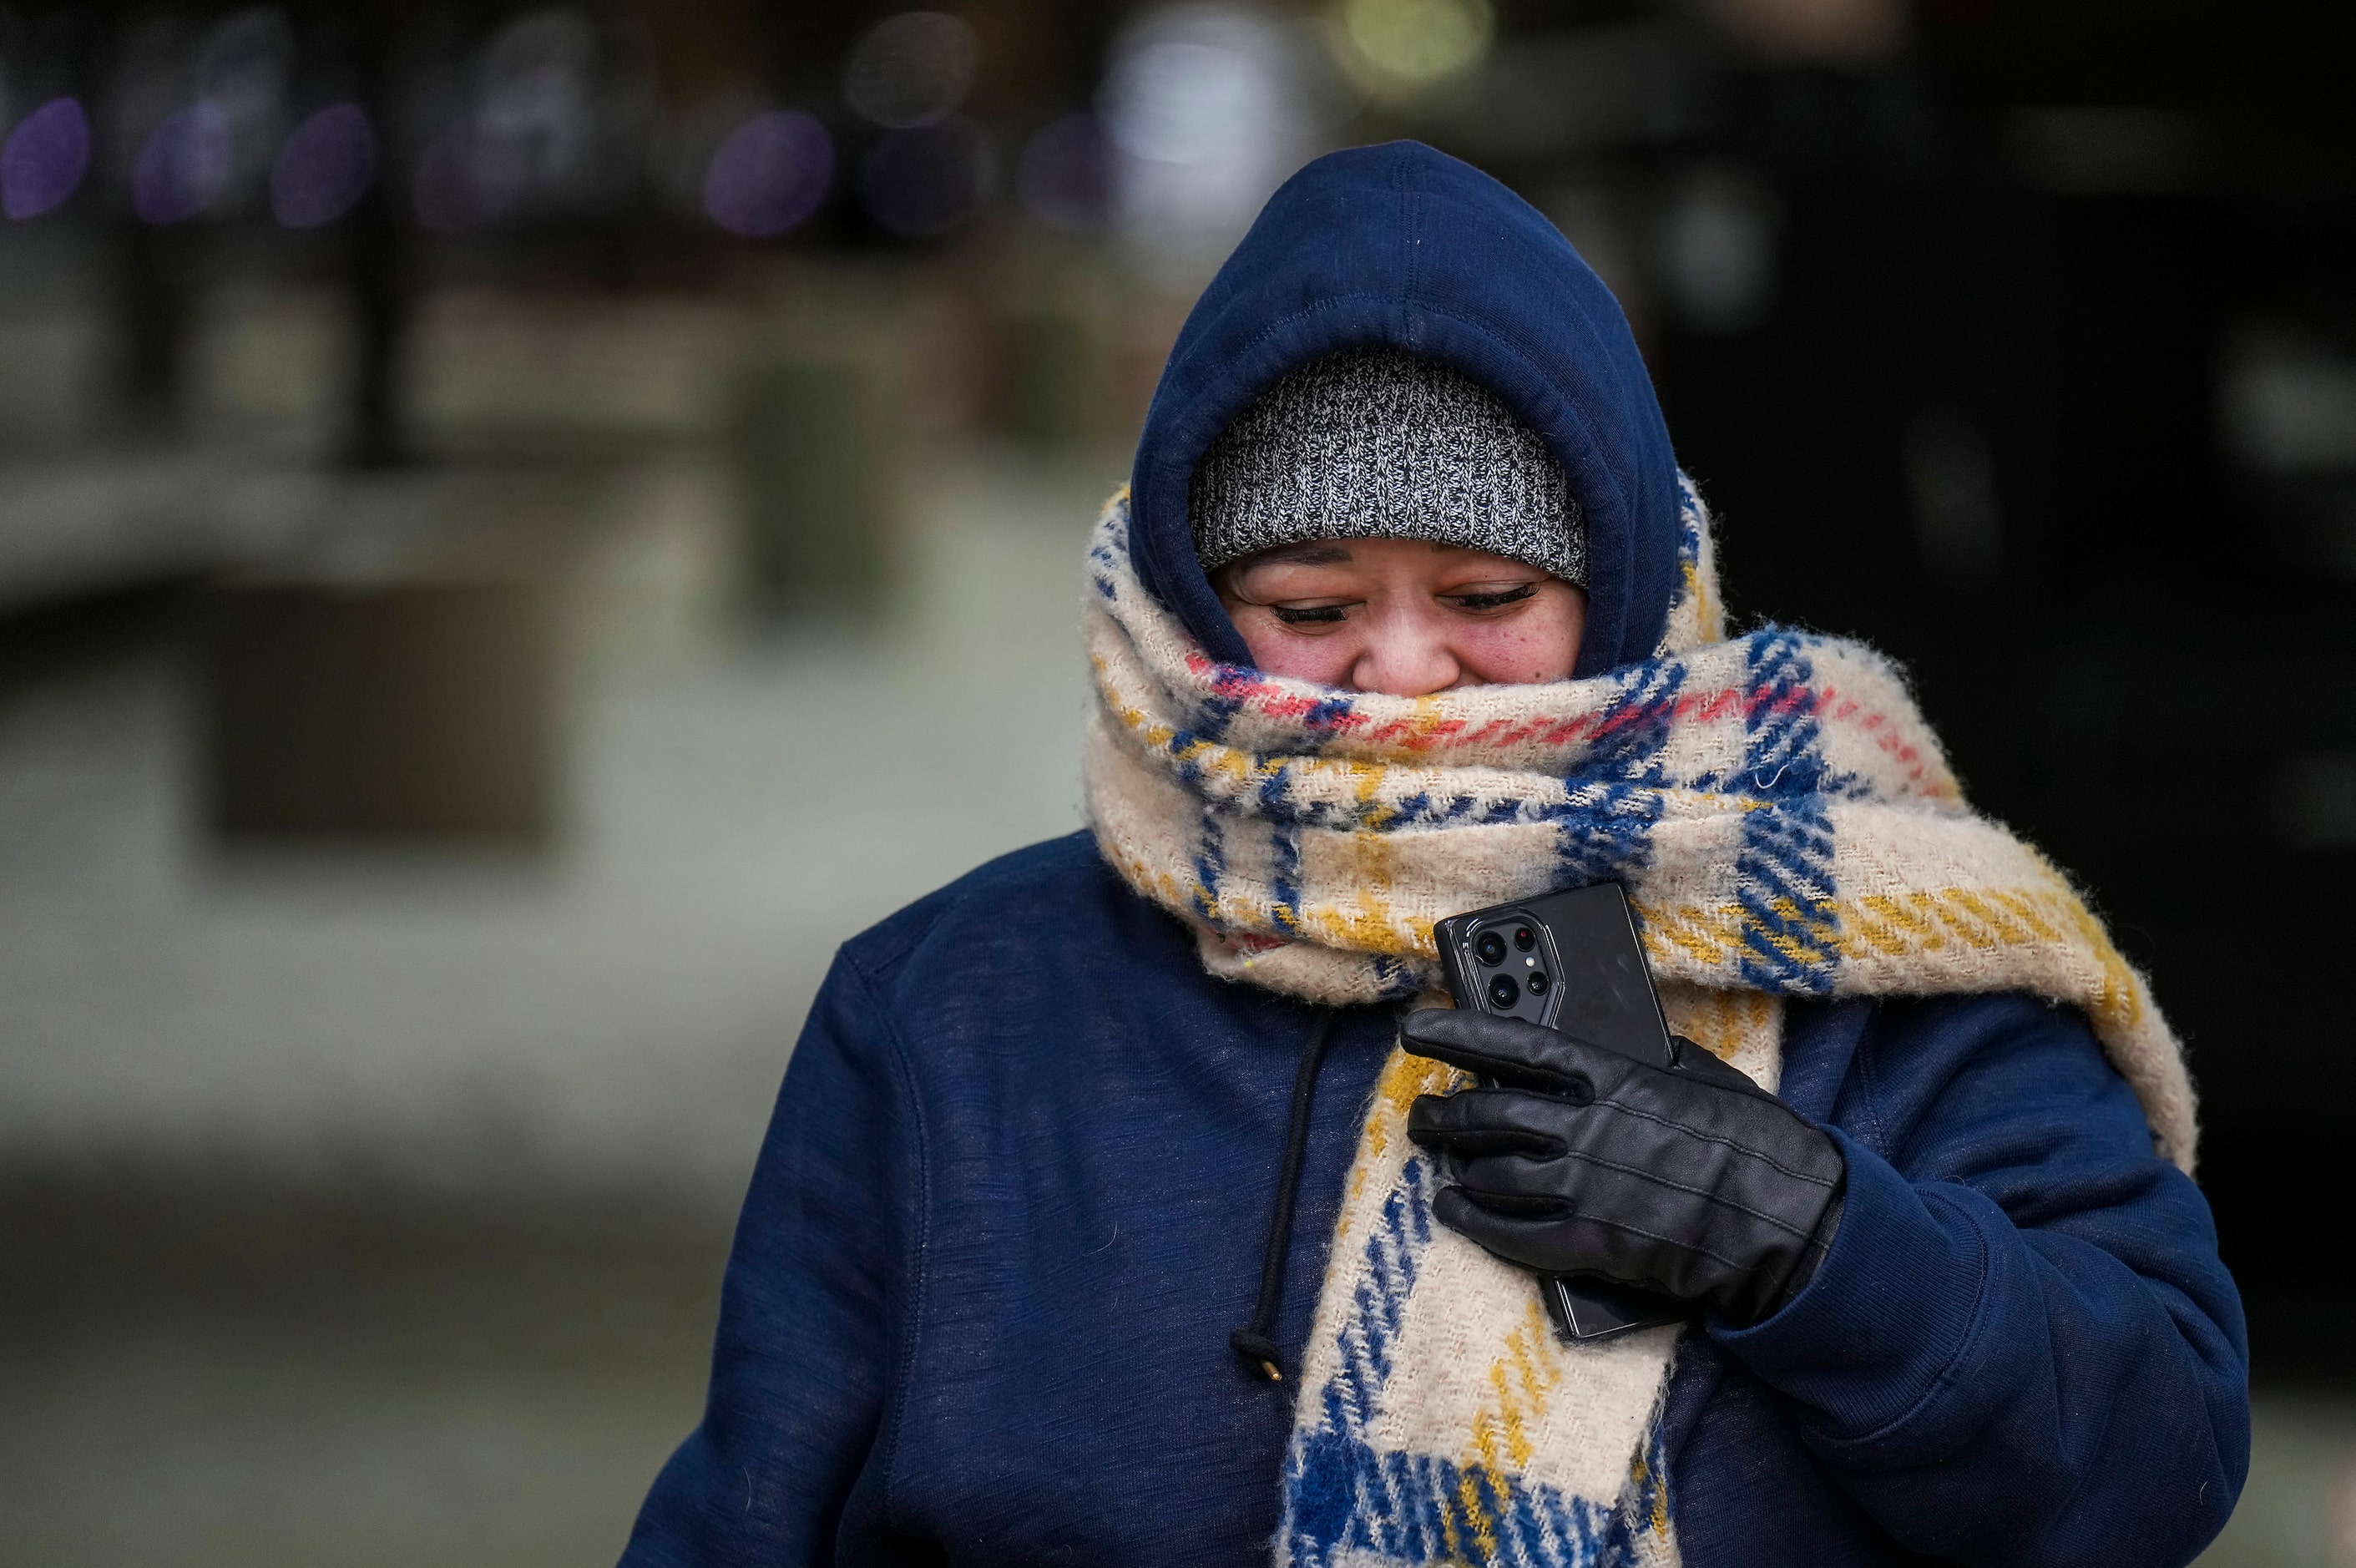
(1103, 1218)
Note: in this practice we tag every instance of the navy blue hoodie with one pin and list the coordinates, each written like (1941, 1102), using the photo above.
(1014, 1193)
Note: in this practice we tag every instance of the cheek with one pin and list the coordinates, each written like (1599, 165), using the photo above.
(1540, 646)
(1326, 659)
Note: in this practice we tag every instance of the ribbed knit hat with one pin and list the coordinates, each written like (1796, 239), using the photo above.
(1377, 443)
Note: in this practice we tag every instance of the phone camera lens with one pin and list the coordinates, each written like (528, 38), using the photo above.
(1491, 947)
(1524, 938)
(1536, 981)
(1503, 991)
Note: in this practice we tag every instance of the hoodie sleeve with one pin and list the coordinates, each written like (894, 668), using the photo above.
(818, 1289)
(2022, 1347)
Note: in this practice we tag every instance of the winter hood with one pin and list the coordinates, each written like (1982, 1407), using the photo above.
(1403, 246)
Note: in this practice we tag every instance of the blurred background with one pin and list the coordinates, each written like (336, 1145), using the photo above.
(521, 528)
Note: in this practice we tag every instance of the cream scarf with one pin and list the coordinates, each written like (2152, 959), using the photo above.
(1786, 826)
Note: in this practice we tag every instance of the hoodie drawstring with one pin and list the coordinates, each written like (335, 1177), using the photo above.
(1255, 1341)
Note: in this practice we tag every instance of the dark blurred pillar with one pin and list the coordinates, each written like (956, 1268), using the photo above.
(155, 306)
(379, 262)
(816, 455)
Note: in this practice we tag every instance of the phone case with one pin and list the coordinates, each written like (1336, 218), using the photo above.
(1574, 963)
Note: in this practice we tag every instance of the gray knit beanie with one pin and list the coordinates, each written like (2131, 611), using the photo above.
(1379, 442)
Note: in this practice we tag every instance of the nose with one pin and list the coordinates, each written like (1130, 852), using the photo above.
(1407, 654)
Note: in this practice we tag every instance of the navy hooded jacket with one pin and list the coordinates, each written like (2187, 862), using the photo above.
(1014, 1193)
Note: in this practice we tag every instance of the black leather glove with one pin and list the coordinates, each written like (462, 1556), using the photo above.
(1691, 1181)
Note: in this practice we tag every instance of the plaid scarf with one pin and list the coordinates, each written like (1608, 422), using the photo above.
(1786, 826)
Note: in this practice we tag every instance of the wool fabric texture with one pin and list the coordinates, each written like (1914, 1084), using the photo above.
(1377, 443)
(1786, 826)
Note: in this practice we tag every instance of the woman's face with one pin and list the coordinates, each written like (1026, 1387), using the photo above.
(1403, 617)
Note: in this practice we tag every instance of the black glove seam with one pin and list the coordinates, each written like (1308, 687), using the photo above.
(1530, 1148)
(1443, 1135)
(1801, 1231)
(1735, 1264)
(1763, 1157)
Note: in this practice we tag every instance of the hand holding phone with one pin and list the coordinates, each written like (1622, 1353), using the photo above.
(1570, 961)
(1600, 1150)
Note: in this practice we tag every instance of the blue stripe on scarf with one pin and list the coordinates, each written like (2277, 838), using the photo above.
(1424, 1516)
(1274, 801)
(1275, 787)
(1609, 838)
(1421, 1513)
(1394, 981)
(1328, 713)
(1210, 862)
(1106, 569)
(1392, 1253)
(1214, 714)
(1784, 873)
(1608, 831)
(1635, 725)
(1284, 877)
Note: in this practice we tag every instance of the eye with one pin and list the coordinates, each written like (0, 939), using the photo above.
(1313, 615)
(1494, 601)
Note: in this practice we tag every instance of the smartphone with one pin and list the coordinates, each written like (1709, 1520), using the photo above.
(1569, 961)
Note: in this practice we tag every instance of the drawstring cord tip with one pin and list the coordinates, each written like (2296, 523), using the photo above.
(1259, 1349)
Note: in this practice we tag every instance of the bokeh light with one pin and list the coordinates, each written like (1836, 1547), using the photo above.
(911, 69)
(924, 183)
(529, 134)
(184, 164)
(324, 168)
(1398, 48)
(1208, 108)
(1844, 31)
(770, 174)
(532, 135)
(1065, 178)
(45, 158)
(245, 64)
(1717, 246)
